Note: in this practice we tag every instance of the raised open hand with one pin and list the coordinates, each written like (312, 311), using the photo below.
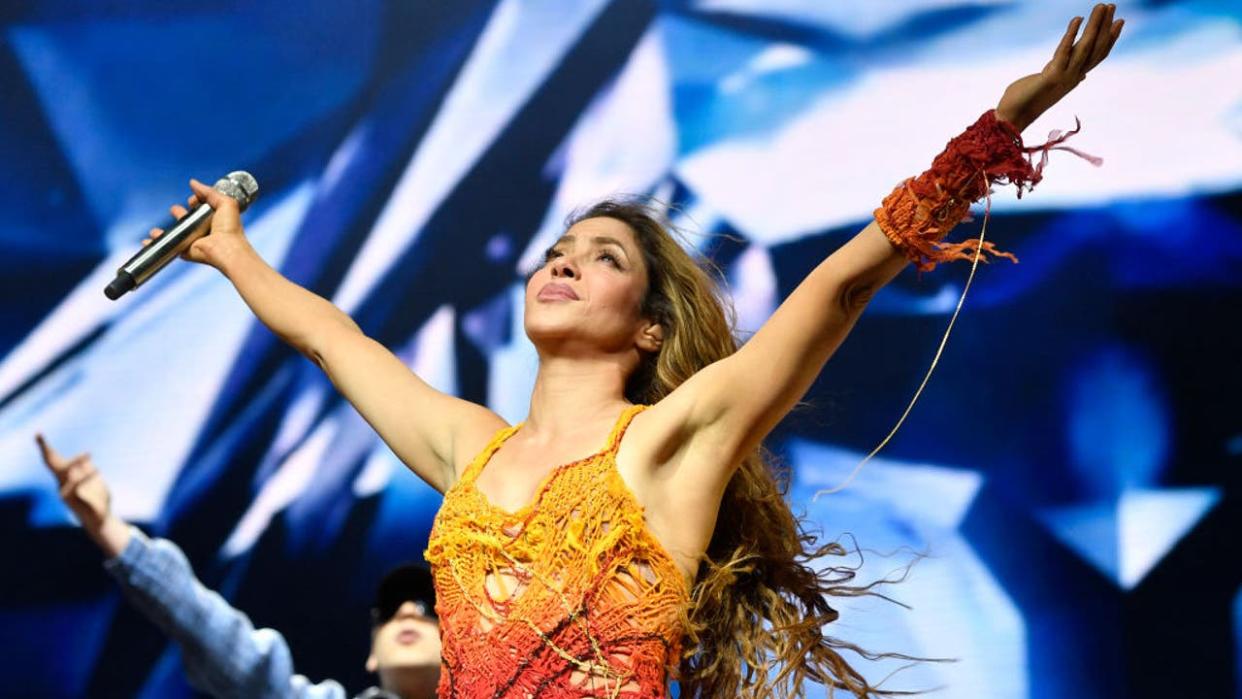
(1031, 96)
(81, 486)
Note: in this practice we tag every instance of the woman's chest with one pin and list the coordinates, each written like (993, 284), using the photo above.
(519, 475)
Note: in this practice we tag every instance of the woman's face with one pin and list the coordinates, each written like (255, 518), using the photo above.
(586, 297)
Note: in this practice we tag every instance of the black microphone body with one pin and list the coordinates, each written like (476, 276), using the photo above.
(239, 185)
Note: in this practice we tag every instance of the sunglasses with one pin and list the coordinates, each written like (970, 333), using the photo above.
(388, 609)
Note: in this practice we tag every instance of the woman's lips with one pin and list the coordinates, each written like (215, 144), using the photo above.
(407, 637)
(556, 291)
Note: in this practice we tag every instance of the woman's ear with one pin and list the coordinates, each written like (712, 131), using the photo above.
(651, 337)
(372, 663)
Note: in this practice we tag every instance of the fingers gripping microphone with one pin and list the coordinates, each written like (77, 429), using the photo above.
(177, 238)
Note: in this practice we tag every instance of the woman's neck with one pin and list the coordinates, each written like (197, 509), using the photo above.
(572, 393)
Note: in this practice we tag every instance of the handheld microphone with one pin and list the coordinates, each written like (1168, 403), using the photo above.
(239, 185)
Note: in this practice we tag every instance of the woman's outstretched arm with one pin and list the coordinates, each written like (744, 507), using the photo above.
(731, 405)
(420, 424)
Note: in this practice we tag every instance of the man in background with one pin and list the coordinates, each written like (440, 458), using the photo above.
(224, 655)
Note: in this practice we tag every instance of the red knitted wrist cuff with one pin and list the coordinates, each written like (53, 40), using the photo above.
(920, 211)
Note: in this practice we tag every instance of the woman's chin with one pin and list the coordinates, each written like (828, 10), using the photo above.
(551, 330)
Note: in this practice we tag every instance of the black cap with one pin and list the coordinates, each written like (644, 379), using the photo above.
(410, 582)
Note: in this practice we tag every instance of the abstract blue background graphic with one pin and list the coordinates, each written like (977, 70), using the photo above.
(1071, 471)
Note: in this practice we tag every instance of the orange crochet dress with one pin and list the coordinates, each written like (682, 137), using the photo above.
(570, 596)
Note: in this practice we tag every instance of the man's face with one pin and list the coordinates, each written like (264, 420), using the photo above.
(408, 640)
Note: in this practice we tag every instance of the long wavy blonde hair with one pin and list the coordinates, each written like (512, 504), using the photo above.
(756, 623)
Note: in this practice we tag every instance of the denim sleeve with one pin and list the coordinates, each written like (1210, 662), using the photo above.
(224, 654)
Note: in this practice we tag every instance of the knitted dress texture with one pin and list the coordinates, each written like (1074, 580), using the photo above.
(569, 596)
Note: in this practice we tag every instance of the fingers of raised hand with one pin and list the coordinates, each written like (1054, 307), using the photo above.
(178, 212)
(1101, 39)
(1060, 59)
(75, 472)
(1085, 48)
(1104, 45)
(216, 199)
(76, 494)
(74, 478)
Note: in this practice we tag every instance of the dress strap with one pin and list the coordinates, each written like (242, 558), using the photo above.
(623, 423)
(480, 460)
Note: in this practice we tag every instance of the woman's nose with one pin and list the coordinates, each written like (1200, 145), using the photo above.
(564, 267)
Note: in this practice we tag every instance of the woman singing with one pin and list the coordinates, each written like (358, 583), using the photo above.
(630, 532)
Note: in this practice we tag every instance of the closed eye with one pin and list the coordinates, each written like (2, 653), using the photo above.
(604, 256)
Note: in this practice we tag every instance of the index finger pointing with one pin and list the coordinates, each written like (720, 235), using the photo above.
(48, 453)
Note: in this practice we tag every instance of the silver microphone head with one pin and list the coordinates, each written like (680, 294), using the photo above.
(239, 185)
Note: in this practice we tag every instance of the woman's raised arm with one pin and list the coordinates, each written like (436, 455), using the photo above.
(420, 424)
(730, 406)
